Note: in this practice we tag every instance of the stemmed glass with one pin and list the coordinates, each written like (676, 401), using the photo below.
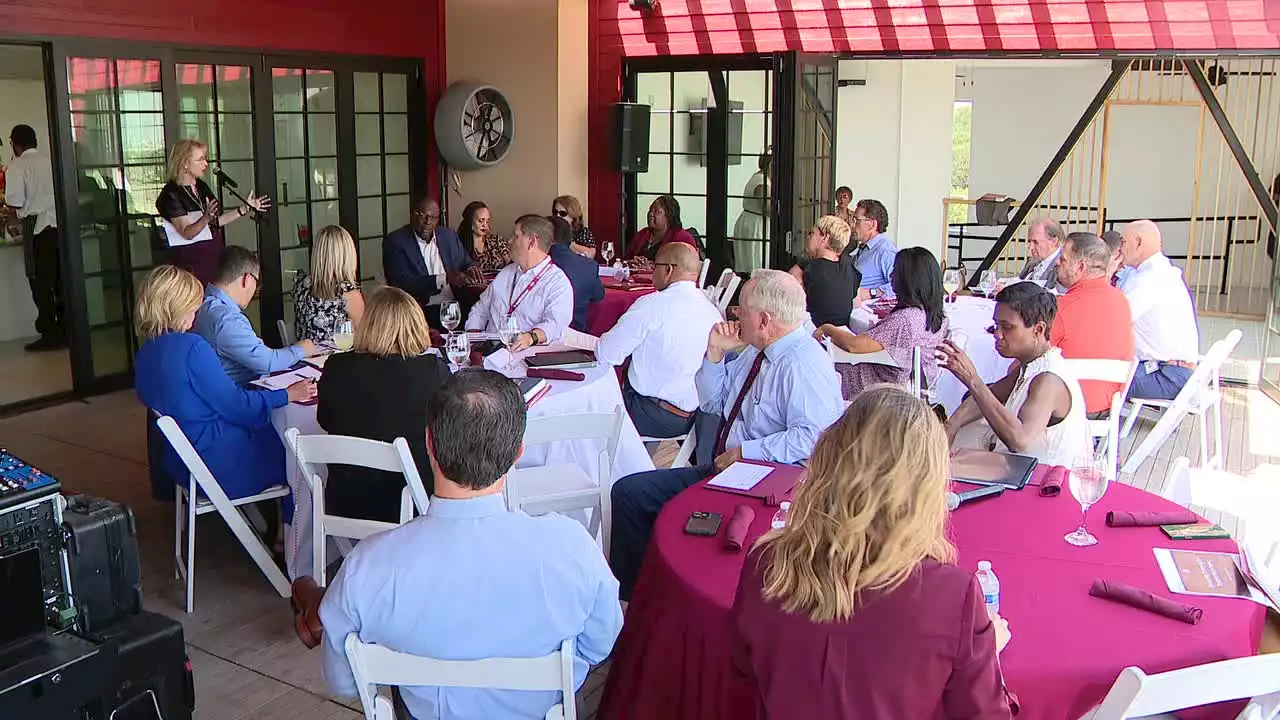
(509, 334)
(606, 252)
(450, 315)
(1088, 484)
(458, 349)
(951, 283)
(343, 336)
(987, 282)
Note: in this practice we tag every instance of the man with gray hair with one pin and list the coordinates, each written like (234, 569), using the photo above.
(1044, 246)
(1093, 319)
(766, 390)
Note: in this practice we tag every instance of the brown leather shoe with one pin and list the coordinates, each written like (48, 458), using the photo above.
(306, 611)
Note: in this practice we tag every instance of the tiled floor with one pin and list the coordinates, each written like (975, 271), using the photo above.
(248, 663)
(29, 375)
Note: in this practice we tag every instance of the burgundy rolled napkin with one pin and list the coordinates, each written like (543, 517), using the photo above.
(477, 358)
(554, 374)
(1143, 600)
(1119, 518)
(1051, 485)
(735, 533)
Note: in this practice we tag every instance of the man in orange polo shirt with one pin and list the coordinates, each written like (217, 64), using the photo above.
(1093, 317)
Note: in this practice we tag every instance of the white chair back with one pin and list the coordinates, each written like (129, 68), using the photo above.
(1254, 500)
(1110, 371)
(374, 665)
(1136, 694)
(726, 295)
(286, 336)
(702, 274)
(311, 451)
(202, 478)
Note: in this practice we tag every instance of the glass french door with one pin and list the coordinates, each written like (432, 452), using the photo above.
(805, 140)
(1270, 378)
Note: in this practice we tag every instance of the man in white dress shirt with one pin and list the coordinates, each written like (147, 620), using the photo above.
(665, 335)
(29, 194)
(1165, 338)
(1044, 244)
(531, 288)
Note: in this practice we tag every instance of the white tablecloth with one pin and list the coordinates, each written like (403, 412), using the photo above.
(970, 316)
(599, 392)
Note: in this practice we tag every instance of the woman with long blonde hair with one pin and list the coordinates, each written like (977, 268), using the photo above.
(855, 608)
(330, 293)
(380, 391)
(190, 208)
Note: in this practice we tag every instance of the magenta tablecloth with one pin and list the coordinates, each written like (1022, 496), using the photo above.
(603, 315)
(672, 660)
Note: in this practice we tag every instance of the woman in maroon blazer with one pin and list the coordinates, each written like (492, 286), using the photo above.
(664, 226)
(855, 609)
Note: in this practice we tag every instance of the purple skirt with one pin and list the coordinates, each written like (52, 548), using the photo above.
(200, 259)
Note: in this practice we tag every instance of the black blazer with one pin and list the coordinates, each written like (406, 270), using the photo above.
(378, 398)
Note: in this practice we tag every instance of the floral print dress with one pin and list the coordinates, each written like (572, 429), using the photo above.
(496, 254)
(316, 319)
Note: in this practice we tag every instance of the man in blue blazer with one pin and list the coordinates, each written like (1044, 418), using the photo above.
(583, 273)
(425, 259)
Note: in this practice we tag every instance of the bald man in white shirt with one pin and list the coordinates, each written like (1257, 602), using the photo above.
(1166, 340)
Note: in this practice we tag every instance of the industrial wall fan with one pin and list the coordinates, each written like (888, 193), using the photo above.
(474, 126)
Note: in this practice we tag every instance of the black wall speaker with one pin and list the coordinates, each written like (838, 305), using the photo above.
(631, 137)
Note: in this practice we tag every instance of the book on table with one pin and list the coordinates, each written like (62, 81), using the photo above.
(562, 360)
(532, 389)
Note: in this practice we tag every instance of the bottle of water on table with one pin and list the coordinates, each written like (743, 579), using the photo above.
(990, 586)
(780, 517)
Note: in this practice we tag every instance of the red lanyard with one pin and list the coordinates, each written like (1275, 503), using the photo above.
(512, 304)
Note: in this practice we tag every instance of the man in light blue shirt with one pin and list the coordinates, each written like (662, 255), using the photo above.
(470, 580)
(874, 252)
(222, 322)
(766, 390)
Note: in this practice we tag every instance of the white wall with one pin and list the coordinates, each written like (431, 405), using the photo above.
(893, 142)
(22, 102)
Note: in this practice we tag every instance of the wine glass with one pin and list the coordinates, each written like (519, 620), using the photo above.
(342, 335)
(951, 282)
(458, 349)
(987, 282)
(606, 252)
(450, 315)
(1088, 482)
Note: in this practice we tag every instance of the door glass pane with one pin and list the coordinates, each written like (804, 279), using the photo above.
(748, 212)
(382, 164)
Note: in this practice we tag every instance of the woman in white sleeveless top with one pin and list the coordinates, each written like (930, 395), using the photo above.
(1037, 409)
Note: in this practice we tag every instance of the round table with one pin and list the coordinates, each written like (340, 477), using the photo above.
(603, 315)
(970, 316)
(672, 660)
(598, 392)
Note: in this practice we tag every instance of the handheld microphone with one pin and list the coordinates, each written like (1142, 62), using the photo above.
(955, 500)
(217, 172)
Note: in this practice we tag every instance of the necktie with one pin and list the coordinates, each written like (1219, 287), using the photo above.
(737, 405)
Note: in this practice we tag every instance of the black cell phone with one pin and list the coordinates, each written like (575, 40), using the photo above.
(486, 347)
(702, 523)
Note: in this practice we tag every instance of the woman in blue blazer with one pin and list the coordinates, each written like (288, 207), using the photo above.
(177, 373)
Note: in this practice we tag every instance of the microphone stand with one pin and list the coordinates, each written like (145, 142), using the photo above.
(230, 187)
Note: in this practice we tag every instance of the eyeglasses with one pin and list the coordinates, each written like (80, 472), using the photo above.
(560, 213)
(426, 215)
(670, 265)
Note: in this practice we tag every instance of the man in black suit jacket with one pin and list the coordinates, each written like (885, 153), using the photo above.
(405, 254)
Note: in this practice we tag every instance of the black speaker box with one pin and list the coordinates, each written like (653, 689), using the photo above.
(152, 679)
(631, 137)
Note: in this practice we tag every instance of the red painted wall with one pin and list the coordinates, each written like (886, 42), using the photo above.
(399, 28)
(972, 28)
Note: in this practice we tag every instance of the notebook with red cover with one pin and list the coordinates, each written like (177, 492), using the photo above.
(778, 483)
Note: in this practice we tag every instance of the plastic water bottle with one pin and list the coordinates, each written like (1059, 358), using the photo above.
(780, 517)
(990, 586)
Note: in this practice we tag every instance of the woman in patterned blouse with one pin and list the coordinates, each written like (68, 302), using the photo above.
(329, 294)
(584, 241)
(490, 250)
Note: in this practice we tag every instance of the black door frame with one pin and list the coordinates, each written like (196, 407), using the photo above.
(56, 53)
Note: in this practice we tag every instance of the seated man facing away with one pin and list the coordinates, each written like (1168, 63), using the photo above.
(583, 272)
(769, 401)
(1093, 320)
(1165, 337)
(665, 335)
(222, 323)
(532, 289)
(470, 580)
(1037, 409)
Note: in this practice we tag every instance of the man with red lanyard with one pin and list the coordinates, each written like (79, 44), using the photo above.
(531, 288)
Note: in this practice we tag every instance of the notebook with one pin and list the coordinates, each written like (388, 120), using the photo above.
(532, 389)
(982, 467)
(564, 360)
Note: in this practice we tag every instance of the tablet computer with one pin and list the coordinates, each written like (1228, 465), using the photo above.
(983, 467)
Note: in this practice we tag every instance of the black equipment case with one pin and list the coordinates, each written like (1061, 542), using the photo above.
(153, 679)
(102, 553)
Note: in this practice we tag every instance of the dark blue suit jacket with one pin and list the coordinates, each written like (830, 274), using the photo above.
(403, 266)
(584, 276)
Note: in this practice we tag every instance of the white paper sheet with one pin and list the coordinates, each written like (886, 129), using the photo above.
(284, 380)
(875, 358)
(740, 476)
(610, 272)
(175, 239)
(318, 361)
(580, 340)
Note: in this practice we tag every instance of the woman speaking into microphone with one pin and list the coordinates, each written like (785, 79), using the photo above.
(193, 221)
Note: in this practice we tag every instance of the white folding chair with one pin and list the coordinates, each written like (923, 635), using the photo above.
(1136, 694)
(722, 302)
(1201, 396)
(286, 337)
(702, 274)
(687, 442)
(374, 665)
(565, 487)
(1110, 371)
(312, 450)
(1254, 500)
(188, 505)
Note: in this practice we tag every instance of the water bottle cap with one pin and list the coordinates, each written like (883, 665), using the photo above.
(984, 565)
(785, 506)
